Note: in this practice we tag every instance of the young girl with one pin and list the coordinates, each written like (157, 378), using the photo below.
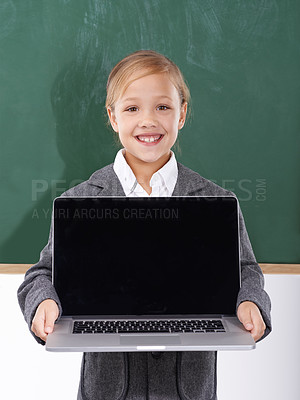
(147, 102)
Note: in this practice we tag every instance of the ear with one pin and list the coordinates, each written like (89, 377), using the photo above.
(182, 117)
(112, 119)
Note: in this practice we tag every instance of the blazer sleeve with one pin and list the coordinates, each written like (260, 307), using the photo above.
(252, 279)
(37, 286)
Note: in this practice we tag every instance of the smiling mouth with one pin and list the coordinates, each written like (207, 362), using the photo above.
(149, 138)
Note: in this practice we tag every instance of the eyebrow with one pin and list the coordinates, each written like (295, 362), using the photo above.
(138, 98)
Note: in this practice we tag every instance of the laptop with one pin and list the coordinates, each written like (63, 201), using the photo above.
(147, 274)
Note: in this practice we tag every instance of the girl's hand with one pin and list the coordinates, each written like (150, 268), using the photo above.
(45, 316)
(249, 315)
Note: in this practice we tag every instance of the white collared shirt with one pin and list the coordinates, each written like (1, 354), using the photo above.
(162, 181)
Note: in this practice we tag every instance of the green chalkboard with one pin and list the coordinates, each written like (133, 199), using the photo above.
(241, 60)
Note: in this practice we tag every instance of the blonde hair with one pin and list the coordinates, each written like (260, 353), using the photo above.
(143, 63)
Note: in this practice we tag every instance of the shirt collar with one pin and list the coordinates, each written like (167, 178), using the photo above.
(167, 174)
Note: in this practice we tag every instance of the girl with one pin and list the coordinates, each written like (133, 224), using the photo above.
(147, 102)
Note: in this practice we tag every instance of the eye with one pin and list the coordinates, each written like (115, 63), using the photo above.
(131, 109)
(163, 107)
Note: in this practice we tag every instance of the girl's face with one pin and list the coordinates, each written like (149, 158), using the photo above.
(147, 118)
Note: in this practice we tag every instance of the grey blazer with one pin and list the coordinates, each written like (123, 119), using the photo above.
(143, 375)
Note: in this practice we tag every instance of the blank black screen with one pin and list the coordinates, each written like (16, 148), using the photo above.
(146, 256)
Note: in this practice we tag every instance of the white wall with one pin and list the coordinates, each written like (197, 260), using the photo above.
(271, 372)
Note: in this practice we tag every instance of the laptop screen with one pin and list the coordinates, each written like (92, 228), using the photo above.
(146, 256)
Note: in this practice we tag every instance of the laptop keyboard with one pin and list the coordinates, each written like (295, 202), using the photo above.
(153, 326)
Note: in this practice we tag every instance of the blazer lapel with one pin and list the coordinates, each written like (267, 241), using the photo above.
(189, 183)
(107, 180)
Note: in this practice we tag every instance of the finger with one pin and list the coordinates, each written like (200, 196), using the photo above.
(248, 325)
(38, 325)
(51, 316)
(259, 325)
(245, 318)
(256, 333)
(46, 314)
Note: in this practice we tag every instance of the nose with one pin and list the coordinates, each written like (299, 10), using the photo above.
(147, 120)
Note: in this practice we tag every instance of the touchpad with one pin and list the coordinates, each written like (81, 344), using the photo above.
(149, 340)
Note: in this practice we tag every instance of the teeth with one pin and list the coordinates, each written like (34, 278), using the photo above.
(149, 139)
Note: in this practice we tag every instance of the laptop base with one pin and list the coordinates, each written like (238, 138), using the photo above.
(235, 338)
